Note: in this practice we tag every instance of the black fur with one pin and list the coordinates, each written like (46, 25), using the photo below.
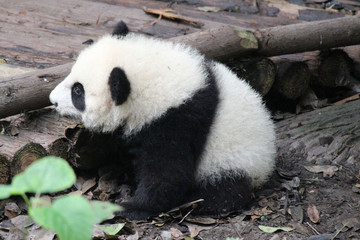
(88, 42)
(167, 152)
(120, 29)
(119, 86)
(78, 96)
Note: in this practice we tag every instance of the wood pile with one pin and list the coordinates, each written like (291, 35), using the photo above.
(278, 47)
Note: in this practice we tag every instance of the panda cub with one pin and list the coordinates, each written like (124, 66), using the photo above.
(195, 129)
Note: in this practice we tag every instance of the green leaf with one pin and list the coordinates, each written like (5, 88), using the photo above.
(103, 210)
(47, 175)
(70, 216)
(274, 229)
(112, 229)
(5, 191)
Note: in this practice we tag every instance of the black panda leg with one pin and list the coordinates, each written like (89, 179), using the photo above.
(228, 195)
(162, 185)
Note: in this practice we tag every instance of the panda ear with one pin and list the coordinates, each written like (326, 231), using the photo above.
(119, 86)
(120, 30)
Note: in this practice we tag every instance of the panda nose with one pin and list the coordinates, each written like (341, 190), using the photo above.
(56, 104)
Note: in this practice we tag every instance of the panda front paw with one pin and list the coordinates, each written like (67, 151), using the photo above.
(131, 212)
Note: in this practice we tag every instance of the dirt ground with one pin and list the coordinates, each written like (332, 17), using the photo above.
(317, 203)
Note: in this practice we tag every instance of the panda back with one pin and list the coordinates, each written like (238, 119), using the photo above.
(241, 139)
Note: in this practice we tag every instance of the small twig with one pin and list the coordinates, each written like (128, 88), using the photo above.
(245, 227)
(186, 215)
(233, 226)
(153, 22)
(312, 228)
(338, 232)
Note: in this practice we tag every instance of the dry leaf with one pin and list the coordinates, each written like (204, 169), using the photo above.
(196, 229)
(296, 213)
(14, 131)
(201, 220)
(88, 184)
(327, 170)
(313, 214)
(175, 233)
(262, 211)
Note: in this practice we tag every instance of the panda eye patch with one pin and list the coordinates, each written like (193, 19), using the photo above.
(78, 96)
(77, 90)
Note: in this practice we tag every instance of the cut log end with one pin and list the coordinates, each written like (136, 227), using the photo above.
(25, 156)
(259, 73)
(293, 79)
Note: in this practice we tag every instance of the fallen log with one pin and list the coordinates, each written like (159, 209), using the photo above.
(336, 70)
(292, 79)
(327, 136)
(25, 156)
(260, 73)
(30, 91)
(228, 41)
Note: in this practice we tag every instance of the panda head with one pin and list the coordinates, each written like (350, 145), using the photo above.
(128, 80)
(95, 87)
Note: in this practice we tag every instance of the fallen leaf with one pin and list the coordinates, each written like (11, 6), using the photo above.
(196, 229)
(112, 229)
(313, 214)
(327, 170)
(262, 211)
(12, 210)
(175, 233)
(14, 131)
(201, 220)
(88, 184)
(296, 213)
(274, 229)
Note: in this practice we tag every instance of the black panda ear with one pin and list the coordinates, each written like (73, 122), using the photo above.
(120, 30)
(119, 86)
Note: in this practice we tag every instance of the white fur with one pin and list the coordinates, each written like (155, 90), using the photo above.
(242, 137)
(164, 75)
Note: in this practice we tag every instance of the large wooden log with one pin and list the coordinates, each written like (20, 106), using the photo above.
(30, 91)
(327, 136)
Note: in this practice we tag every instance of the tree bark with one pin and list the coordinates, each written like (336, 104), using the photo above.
(324, 136)
(25, 156)
(31, 90)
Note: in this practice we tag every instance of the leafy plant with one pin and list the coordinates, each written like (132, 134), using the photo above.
(71, 216)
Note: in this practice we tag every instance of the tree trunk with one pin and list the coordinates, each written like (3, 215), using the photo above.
(31, 90)
(325, 136)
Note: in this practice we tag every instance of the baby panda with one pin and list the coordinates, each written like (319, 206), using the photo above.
(196, 131)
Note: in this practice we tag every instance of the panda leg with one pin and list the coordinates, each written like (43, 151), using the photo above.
(227, 195)
(162, 185)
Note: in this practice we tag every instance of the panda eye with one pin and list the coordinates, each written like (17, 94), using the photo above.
(78, 96)
(77, 89)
